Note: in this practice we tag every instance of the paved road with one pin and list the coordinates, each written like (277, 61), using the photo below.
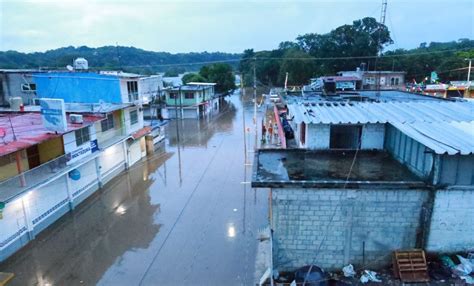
(179, 218)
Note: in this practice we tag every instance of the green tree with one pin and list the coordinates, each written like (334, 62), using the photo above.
(221, 74)
(299, 65)
(193, 77)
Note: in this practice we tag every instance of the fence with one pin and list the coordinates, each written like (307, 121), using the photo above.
(38, 197)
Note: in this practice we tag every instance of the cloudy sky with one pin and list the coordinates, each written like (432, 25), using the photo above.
(228, 26)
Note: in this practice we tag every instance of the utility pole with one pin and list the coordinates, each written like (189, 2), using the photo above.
(255, 99)
(383, 13)
(469, 70)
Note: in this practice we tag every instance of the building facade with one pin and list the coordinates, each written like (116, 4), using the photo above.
(370, 178)
(47, 174)
(373, 80)
(17, 83)
(192, 100)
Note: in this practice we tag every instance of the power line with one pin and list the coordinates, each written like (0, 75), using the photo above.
(257, 58)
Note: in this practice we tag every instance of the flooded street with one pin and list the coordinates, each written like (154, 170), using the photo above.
(182, 217)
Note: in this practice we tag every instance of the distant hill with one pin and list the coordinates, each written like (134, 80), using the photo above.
(128, 59)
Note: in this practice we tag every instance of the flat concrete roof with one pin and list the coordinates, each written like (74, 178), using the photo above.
(279, 168)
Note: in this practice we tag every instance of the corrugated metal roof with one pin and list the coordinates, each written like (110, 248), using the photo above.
(442, 137)
(20, 131)
(381, 112)
(445, 127)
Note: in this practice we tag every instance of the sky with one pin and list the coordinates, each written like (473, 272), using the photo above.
(226, 26)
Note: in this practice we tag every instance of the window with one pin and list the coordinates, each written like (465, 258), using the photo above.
(370, 80)
(345, 136)
(392, 81)
(132, 88)
(82, 136)
(189, 95)
(28, 87)
(107, 123)
(397, 81)
(173, 95)
(133, 117)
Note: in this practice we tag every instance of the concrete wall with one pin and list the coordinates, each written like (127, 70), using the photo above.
(11, 86)
(28, 214)
(332, 227)
(71, 147)
(8, 166)
(452, 227)
(317, 136)
(129, 127)
(50, 149)
(373, 136)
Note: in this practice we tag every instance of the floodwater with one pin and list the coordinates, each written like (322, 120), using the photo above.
(182, 217)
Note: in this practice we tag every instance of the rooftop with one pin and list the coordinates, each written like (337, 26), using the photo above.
(189, 87)
(362, 95)
(442, 137)
(76, 107)
(28, 130)
(121, 74)
(201, 83)
(325, 169)
(381, 112)
(338, 78)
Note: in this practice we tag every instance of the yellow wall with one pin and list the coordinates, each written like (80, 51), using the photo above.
(50, 149)
(8, 166)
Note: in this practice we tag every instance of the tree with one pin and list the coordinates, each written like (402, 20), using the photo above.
(193, 77)
(221, 74)
(299, 65)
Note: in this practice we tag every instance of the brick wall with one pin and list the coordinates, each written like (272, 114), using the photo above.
(452, 221)
(334, 227)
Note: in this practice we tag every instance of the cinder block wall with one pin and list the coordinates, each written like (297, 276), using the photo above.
(334, 227)
(452, 221)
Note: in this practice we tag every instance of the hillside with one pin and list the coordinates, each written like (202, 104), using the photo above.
(129, 59)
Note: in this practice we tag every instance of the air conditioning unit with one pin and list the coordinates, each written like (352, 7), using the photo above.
(76, 118)
(15, 103)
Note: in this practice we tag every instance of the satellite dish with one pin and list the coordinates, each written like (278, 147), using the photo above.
(69, 68)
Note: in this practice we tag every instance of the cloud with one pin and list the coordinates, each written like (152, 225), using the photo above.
(232, 26)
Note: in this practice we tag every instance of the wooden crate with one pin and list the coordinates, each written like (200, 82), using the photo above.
(410, 266)
(5, 278)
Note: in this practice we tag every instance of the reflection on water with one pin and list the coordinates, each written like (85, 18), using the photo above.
(182, 217)
(198, 132)
(94, 236)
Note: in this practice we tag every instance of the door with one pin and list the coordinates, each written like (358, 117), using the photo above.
(33, 156)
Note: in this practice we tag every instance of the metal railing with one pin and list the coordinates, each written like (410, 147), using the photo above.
(30, 178)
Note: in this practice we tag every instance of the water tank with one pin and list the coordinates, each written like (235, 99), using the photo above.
(15, 103)
(81, 64)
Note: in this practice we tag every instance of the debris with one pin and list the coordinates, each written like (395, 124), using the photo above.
(369, 276)
(410, 266)
(5, 278)
(447, 261)
(265, 276)
(438, 271)
(468, 279)
(464, 268)
(348, 271)
(311, 275)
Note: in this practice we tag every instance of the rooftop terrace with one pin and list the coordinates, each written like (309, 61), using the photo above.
(278, 168)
